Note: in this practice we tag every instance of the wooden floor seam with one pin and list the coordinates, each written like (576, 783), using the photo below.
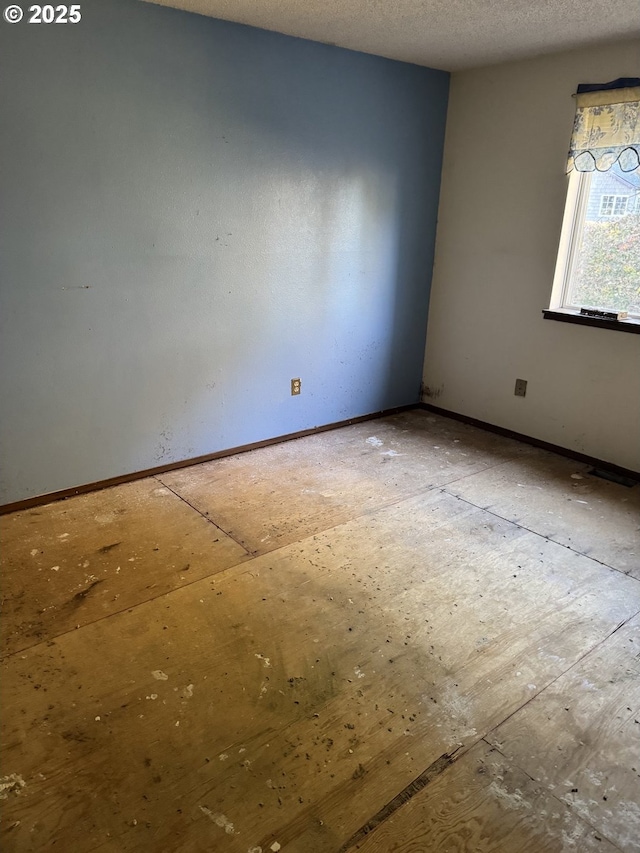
(561, 803)
(548, 538)
(402, 797)
(446, 760)
(204, 516)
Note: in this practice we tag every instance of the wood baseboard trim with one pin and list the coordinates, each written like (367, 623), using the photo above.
(62, 494)
(600, 464)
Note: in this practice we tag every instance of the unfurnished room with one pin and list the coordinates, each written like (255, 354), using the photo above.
(320, 426)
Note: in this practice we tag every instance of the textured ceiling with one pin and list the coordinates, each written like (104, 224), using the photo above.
(447, 34)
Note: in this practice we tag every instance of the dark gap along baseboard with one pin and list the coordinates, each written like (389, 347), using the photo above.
(623, 476)
(617, 473)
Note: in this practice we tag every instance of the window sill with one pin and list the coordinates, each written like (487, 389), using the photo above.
(566, 316)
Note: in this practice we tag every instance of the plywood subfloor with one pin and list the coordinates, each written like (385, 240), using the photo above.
(485, 804)
(560, 500)
(393, 678)
(328, 478)
(69, 563)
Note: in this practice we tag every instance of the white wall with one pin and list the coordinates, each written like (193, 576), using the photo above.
(501, 206)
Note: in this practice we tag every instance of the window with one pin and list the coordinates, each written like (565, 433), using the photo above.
(613, 205)
(597, 278)
(599, 259)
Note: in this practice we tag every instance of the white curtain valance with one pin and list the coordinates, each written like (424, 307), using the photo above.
(606, 129)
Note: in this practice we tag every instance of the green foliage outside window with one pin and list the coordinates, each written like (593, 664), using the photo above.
(607, 274)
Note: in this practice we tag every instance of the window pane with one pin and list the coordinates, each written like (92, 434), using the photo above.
(606, 267)
(620, 205)
(606, 205)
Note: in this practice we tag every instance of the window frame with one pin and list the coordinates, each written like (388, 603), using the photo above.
(560, 307)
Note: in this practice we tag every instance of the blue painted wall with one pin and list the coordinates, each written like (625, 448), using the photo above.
(193, 213)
